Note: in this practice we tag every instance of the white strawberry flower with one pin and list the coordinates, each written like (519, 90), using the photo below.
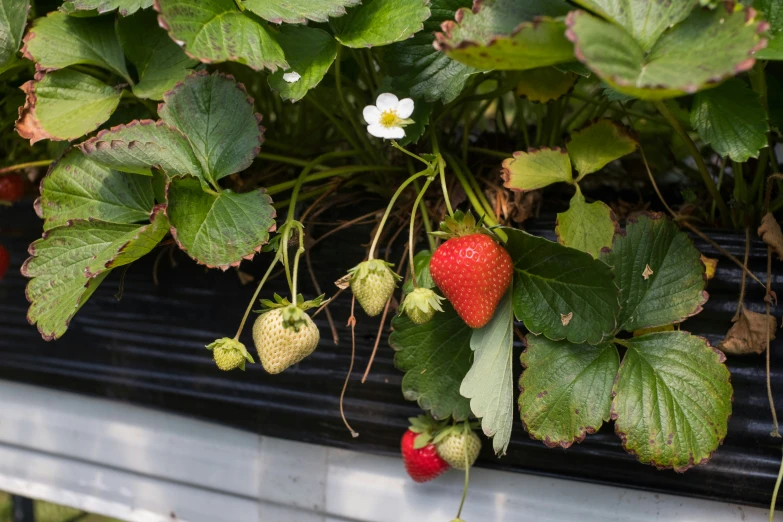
(388, 116)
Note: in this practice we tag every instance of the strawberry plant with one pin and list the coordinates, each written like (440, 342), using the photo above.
(226, 129)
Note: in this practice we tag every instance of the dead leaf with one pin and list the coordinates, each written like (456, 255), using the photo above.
(647, 272)
(770, 233)
(244, 277)
(344, 282)
(748, 334)
(28, 126)
(566, 318)
(710, 265)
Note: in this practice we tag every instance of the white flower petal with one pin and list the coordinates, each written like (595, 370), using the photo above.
(394, 133)
(377, 130)
(292, 77)
(387, 101)
(371, 115)
(405, 108)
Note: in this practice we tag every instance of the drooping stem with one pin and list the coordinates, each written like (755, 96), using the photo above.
(299, 251)
(425, 217)
(29, 164)
(255, 296)
(467, 479)
(294, 161)
(775, 493)
(474, 200)
(346, 170)
(725, 214)
(411, 226)
(442, 172)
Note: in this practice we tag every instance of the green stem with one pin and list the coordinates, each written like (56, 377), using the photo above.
(480, 193)
(442, 172)
(295, 161)
(411, 227)
(389, 208)
(488, 219)
(339, 126)
(775, 493)
(409, 153)
(489, 152)
(467, 479)
(299, 252)
(522, 122)
(29, 164)
(725, 214)
(361, 133)
(337, 171)
(255, 295)
(425, 216)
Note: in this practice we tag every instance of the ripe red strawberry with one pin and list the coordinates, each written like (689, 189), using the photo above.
(11, 188)
(422, 464)
(471, 269)
(5, 261)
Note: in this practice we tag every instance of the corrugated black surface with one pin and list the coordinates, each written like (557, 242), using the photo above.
(148, 349)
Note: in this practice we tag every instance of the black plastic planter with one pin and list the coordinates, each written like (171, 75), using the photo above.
(149, 349)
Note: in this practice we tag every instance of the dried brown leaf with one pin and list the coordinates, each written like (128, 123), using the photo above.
(770, 233)
(748, 334)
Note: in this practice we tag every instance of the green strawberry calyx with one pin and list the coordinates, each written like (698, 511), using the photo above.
(462, 224)
(293, 314)
(422, 299)
(461, 428)
(365, 268)
(426, 428)
(227, 347)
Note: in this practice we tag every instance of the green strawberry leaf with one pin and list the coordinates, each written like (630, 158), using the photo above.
(57, 40)
(544, 84)
(217, 31)
(310, 53)
(159, 61)
(659, 271)
(507, 34)
(537, 168)
(380, 22)
(78, 188)
(218, 229)
(435, 357)
(421, 264)
(589, 227)
(772, 11)
(643, 20)
(489, 383)
(566, 389)
(216, 115)
(64, 105)
(699, 52)
(561, 292)
(672, 399)
(298, 11)
(731, 118)
(13, 17)
(69, 263)
(418, 68)
(141, 145)
(125, 7)
(593, 147)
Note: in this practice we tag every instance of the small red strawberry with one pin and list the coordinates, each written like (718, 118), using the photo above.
(5, 261)
(419, 454)
(471, 269)
(11, 188)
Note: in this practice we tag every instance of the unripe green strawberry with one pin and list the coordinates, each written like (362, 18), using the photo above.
(283, 337)
(373, 283)
(421, 304)
(229, 354)
(458, 442)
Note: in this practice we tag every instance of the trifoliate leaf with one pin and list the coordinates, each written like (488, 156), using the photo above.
(566, 389)
(217, 31)
(435, 357)
(216, 115)
(13, 17)
(218, 229)
(659, 272)
(537, 168)
(141, 145)
(672, 399)
(380, 22)
(418, 68)
(310, 53)
(731, 118)
(601, 142)
(58, 40)
(69, 263)
(65, 105)
(702, 50)
(124, 7)
(544, 84)
(507, 35)
(159, 61)
(78, 188)
(552, 282)
(298, 11)
(489, 383)
(589, 227)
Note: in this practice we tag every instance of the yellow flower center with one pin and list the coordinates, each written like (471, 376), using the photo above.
(389, 119)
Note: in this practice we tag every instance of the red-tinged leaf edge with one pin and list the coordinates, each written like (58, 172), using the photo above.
(505, 172)
(89, 276)
(248, 257)
(750, 16)
(27, 124)
(691, 461)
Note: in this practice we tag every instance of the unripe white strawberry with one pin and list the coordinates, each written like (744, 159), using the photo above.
(421, 304)
(283, 337)
(229, 354)
(457, 444)
(373, 283)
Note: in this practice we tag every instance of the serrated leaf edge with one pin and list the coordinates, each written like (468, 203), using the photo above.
(505, 172)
